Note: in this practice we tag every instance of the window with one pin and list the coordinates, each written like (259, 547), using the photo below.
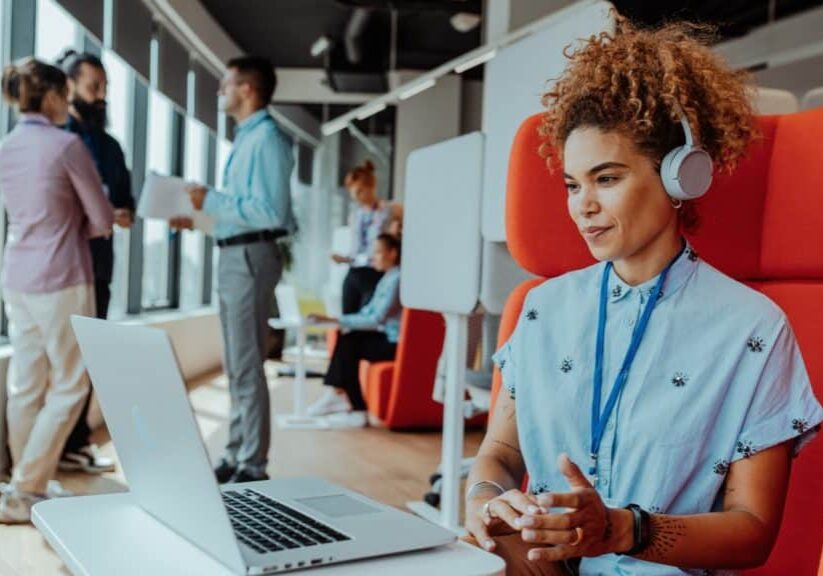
(120, 110)
(55, 31)
(156, 244)
(4, 115)
(193, 241)
(223, 151)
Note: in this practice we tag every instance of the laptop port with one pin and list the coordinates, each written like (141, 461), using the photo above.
(316, 561)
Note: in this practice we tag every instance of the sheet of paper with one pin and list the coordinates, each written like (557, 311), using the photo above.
(164, 197)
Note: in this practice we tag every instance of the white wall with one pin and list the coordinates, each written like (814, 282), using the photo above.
(428, 118)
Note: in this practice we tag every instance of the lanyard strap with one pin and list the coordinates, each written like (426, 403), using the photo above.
(599, 420)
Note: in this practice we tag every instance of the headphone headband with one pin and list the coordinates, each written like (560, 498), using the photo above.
(684, 122)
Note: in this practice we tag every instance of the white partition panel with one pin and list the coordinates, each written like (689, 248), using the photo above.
(812, 99)
(441, 226)
(515, 80)
(501, 274)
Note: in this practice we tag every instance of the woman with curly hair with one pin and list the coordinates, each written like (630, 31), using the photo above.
(655, 403)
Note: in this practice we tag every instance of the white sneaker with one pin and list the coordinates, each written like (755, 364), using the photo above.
(329, 403)
(55, 490)
(353, 419)
(15, 507)
(87, 459)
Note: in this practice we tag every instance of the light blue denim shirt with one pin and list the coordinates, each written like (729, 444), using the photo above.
(256, 193)
(382, 312)
(718, 377)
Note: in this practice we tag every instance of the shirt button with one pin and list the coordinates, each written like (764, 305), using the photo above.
(610, 426)
(631, 321)
(605, 481)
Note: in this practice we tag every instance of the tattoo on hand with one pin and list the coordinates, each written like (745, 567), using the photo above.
(666, 532)
(607, 532)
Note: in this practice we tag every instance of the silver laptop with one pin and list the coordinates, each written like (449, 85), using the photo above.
(254, 528)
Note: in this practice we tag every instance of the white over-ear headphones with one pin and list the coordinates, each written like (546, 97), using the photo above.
(686, 171)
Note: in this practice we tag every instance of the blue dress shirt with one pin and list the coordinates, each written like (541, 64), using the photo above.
(256, 192)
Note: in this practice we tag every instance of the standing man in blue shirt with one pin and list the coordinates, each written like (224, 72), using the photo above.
(88, 86)
(252, 210)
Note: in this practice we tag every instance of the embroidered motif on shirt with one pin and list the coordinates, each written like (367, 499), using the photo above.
(755, 344)
(651, 291)
(566, 365)
(655, 510)
(745, 448)
(721, 467)
(617, 291)
(691, 254)
(800, 425)
(680, 379)
(502, 364)
(531, 314)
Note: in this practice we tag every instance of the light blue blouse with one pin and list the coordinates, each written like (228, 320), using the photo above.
(718, 377)
(382, 312)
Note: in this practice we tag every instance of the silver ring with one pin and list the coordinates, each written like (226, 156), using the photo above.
(487, 514)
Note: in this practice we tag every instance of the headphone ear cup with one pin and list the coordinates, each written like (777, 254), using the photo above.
(686, 172)
(668, 174)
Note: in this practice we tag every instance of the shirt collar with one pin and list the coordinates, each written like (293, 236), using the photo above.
(252, 121)
(34, 118)
(681, 270)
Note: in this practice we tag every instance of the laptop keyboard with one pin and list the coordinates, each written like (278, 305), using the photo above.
(266, 525)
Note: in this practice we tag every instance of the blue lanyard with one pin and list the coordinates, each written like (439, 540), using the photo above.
(599, 420)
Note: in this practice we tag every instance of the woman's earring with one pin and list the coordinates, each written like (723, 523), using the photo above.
(677, 203)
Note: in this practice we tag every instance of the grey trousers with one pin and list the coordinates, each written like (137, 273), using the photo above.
(247, 276)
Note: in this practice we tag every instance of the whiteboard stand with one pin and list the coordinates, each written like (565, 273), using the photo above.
(451, 459)
(442, 241)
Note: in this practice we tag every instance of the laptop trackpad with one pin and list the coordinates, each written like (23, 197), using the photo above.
(338, 506)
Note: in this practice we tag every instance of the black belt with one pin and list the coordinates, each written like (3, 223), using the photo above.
(252, 238)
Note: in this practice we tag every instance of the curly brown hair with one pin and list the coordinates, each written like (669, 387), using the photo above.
(632, 81)
(362, 174)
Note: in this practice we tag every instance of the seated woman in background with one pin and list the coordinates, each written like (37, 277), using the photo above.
(368, 220)
(684, 437)
(369, 334)
(55, 203)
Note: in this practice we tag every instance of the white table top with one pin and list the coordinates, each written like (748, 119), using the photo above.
(286, 324)
(109, 534)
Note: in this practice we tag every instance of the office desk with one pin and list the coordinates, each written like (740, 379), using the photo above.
(108, 534)
(298, 418)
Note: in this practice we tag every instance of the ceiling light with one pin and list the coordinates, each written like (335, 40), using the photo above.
(330, 128)
(417, 89)
(371, 110)
(465, 22)
(320, 46)
(469, 64)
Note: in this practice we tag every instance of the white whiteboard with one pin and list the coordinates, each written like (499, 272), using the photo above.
(440, 270)
(515, 81)
(500, 276)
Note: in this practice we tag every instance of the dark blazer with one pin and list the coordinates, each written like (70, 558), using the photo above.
(111, 163)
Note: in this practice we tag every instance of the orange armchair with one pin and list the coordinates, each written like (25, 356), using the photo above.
(399, 393)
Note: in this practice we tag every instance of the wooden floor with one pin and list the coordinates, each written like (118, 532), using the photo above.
(388, 466)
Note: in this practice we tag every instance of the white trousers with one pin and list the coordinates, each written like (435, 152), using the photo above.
(47, 381)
